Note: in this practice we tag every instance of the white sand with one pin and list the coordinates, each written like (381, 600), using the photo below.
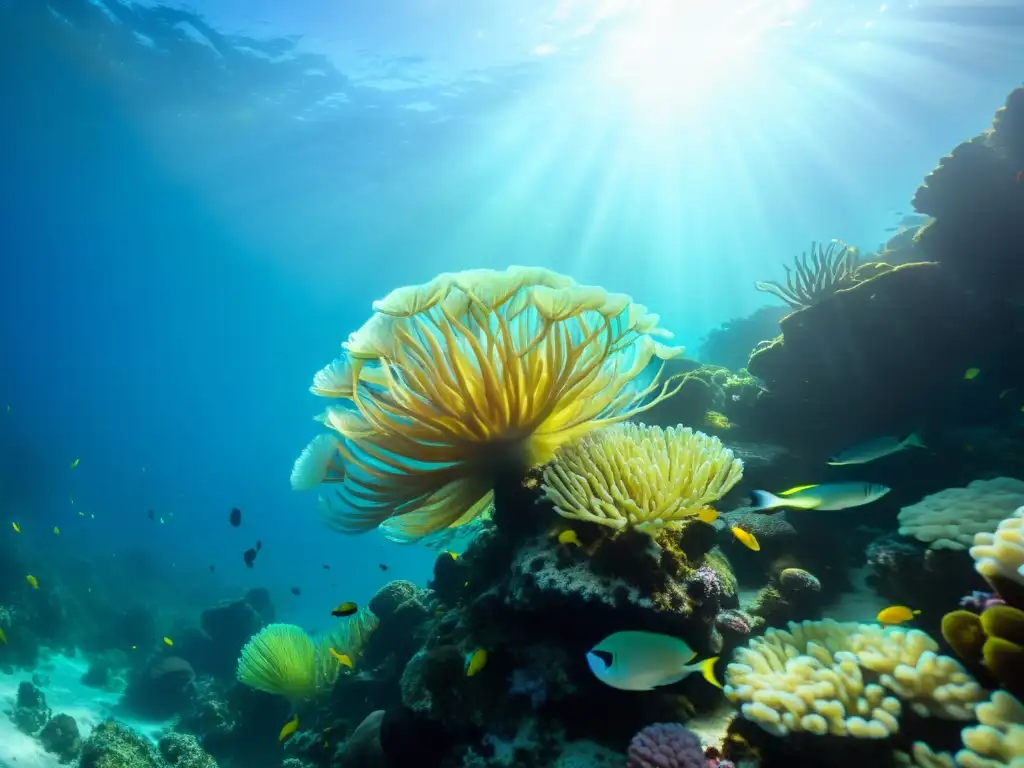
(65, 694)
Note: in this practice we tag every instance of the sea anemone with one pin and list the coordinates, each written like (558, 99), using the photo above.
(472, 375)
(829, 269)
(635, 476)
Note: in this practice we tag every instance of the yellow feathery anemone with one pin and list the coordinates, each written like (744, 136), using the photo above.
(632, 475)
(474, 373)
(282, 659)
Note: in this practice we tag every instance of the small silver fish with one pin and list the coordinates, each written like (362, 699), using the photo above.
(640, 661)
(870, 450)
(826, 497)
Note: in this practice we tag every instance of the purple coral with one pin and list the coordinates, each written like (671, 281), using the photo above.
(704, 586)
(734, 622)
(979, 601)
(665, 745)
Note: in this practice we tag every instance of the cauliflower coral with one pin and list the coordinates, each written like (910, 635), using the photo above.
(453, 382)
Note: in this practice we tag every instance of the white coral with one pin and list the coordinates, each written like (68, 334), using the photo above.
(950, 519)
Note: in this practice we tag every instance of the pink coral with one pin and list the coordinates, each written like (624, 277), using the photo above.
(665, 745)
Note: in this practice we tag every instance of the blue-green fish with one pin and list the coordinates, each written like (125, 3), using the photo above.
(870, 450)
(829, 496)
(640, 661)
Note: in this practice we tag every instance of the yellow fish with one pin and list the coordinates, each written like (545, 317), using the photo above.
(971, 373)
(895, 614)
(56, 530)
(289, 728)
(707, 515)
(168, 642)
(568, 536)
(32, 581)
(476, 662)
(343, 658)
(75, 463)
(345, 609)
(452, 555)
(746, 538)
(16, 527)
(3, 637)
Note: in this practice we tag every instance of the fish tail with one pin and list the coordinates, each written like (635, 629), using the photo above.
(707, 670)
(914, 440)
(764, 501)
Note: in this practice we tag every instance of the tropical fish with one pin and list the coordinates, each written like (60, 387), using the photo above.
(707, 515)
(297, 591)
(746, 538)
(32, 581)
(826, 497)
(289, 728)
(895, 614)
(16, 527)
(343, 658)
(249, 556)
(168, 642)
(476, 662)
(568, 536)
(345, 609)
(235, 518)
(56, 530)
(382, 566)
(971, 373)
(641, 661)
(870, 450)
(75, 463)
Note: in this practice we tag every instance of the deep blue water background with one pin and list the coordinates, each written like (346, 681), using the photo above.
(189, 230)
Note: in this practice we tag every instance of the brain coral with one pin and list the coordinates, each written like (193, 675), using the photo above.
(464, 377)
(846, 679)
(950, 519)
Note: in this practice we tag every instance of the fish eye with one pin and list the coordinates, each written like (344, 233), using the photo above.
(604, 656)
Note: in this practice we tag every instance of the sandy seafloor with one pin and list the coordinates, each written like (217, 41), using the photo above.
(65, 694)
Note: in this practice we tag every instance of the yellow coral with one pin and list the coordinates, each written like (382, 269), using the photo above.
(845, 679)
(632, 475)
(998, 742)
(453, 382)
(281, 659)
(284, 660)
(1000, 554)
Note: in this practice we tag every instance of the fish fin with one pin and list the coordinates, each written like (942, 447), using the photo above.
(707, 670)
(914, 441)
(798, 488)
(763, 500)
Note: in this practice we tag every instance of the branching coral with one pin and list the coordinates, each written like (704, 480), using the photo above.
(827, 270)
(846, 680)
(632, 475)
(473, 374)
(998, 742)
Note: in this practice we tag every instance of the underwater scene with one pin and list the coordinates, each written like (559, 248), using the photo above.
(537, 384)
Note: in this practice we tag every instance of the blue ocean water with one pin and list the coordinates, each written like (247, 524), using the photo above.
(200, 202)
